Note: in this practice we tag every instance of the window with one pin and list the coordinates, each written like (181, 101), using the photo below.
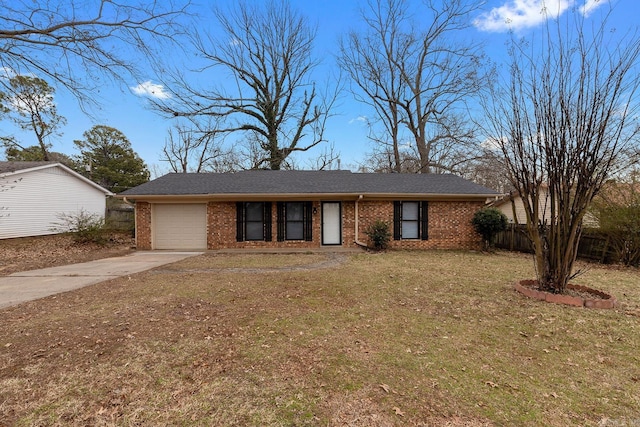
(253, 221)
(409, 228)
(295, 221)
(410, 220)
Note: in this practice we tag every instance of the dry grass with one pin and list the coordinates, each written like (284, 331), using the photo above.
(400, 338)
(31, 253)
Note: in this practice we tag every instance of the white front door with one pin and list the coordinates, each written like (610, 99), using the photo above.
(331, 223)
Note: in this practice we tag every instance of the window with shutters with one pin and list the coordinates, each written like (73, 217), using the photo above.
(294, 229)
(410, 220)
(295, 221)
(253, 221)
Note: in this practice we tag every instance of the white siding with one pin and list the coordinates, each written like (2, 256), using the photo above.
(543, 205)
(31, 202)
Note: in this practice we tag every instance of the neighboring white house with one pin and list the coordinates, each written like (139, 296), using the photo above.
(512, 206)
(33, 195)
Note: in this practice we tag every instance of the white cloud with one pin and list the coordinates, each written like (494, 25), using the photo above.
(591, 5)
(43, 101)
(521, 14)
(361, 119)
(151, 89)
(6, 73)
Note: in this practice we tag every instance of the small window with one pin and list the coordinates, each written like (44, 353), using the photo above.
(253, 221)
(254, 224)
(410, 220)
(294, 221)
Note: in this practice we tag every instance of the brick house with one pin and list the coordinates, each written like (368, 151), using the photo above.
(304, 209)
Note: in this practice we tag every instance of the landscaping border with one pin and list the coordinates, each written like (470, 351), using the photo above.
(606, 301)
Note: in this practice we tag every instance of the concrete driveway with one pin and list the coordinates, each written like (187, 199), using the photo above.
(29, 285)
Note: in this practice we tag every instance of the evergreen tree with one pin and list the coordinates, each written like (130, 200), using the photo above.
(109, 159)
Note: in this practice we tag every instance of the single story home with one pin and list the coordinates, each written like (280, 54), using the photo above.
(304, 209)
(33, 195)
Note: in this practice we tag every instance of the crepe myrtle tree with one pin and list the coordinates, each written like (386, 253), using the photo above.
(563, 120)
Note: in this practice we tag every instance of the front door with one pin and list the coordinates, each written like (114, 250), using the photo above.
(331, 223)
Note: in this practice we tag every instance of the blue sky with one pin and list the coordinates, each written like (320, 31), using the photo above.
(126, 108)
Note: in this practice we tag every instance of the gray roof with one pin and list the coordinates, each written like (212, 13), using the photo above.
(9, 167)
(265, 182)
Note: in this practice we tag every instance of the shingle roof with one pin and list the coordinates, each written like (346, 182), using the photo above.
(9, 167)
(307, 182)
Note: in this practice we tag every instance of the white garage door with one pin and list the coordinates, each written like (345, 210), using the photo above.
(182, 226)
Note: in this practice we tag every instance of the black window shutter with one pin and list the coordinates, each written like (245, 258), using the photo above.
(239, 222)
(308, 221)
(267, 221)
(424, 219)
(280, 220)
(397, 220)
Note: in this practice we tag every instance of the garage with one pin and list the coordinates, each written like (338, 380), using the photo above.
(180, 226)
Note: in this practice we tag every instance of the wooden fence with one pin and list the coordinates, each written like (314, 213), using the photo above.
(593, 245)
(119, 217)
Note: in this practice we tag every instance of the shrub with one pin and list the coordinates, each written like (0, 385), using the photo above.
(379, 235)
(488, 222)
(85, 227)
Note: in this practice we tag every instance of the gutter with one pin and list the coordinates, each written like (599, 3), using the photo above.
(228, 197)
(356, 241)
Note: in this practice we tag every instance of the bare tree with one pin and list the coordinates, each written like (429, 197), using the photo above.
(30, 105)
(488, 169)
(73, 44)
(416, 80)
(567, 113)
(197, 148)
(273, 102)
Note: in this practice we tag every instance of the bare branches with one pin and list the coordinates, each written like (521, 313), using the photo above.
(273, 102)
(75, 44)
(563, 122)
(415, 80)
(197, 148)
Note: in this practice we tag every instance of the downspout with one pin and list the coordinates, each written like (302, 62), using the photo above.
(357, 242)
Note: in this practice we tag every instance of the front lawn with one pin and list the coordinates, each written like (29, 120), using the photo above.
(399, 338)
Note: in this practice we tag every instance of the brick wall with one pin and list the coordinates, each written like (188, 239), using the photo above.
(449, 226)
(143, 225)
(222, 229)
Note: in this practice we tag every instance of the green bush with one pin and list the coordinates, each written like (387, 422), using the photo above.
(488, 222)
(379, 235)
(85, 227)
